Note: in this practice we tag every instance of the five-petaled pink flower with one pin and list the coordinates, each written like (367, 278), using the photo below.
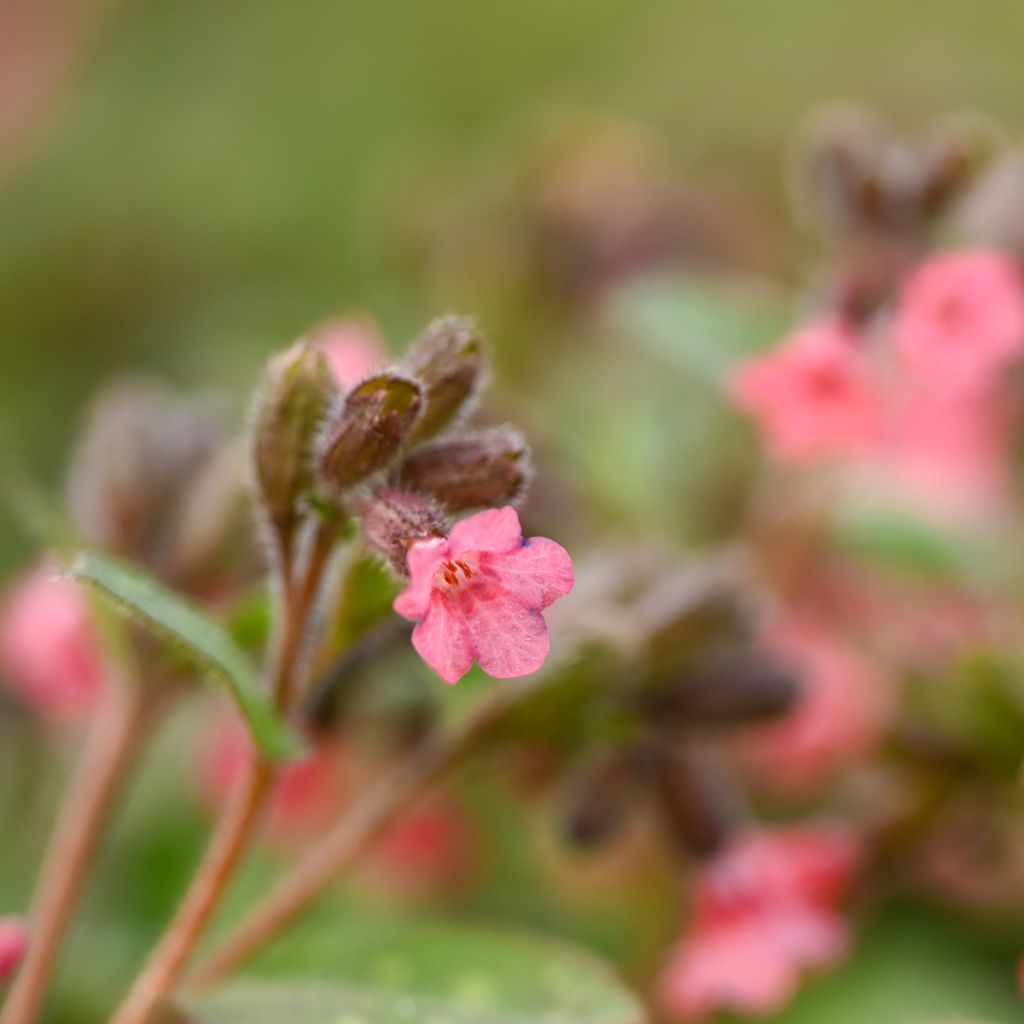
(479, 594)
(49, 649)
(813, 395)
(765, 913)
(960, 318)
(353, 349)
(13, 943)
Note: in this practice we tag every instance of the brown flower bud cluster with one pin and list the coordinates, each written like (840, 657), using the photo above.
(394, 451)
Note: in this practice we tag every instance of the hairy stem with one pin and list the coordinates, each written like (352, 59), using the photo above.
(352, 836)
(166, 964)
(116, 735)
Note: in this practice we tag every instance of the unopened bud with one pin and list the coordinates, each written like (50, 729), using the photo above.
(693, 795)
(740, 688)
(448, 360)
(600, 797)
(13, 944)
(141, 446)
(394, 519)
(368, 431)
(482, 470)
(294, 396)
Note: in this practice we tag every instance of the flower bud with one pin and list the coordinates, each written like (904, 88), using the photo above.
(448, 360)
(374, 422)
(482, 470)
(739, 688)
(293, 398)
(13, 943)
(141, 446)
(394, 519)
(693, 796)
(600, 797)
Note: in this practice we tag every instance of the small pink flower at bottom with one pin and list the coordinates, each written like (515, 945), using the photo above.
(765, 913)
(813, 396)
(961, 317)
(13, 943)
(479, 593)
(49, 650)
(353, 349)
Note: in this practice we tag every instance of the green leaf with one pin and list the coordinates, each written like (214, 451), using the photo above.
(389, 972)
(136, 593)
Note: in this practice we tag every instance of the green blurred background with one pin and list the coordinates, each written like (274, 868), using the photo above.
(213, 178)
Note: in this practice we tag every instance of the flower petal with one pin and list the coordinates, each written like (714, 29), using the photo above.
(496, 530)
(422, 561)
(510, 638)
(537, 574)
(442, 640)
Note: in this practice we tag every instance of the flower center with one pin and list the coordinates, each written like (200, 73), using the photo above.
(454, 573)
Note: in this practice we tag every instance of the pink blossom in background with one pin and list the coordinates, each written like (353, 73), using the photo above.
(765, 913)
(309, 794)
(960, 318)
(812, 396)
(839, 716)
(49, 649)
(950, 451)
(353, 349)
(13, 943)
(479, 593)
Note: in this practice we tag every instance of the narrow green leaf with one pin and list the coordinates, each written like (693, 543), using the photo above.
(136, 593)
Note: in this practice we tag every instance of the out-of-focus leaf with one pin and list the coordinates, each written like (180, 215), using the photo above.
(136, 593)
(700, 326)
(393, 972)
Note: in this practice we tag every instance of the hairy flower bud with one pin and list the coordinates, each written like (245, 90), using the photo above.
(293, 398)
(481, 470)
(369, 429)
(394, 519)
(448, 360)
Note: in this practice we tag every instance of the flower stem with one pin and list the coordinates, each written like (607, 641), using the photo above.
(227, 847)
(115, 737)
(353, 835)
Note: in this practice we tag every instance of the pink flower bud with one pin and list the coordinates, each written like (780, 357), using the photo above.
(13, 943)
(353, 349)
(813, 396)
(479, 595)
(49, 650)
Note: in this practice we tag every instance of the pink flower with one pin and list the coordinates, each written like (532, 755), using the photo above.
(950, 451)
(353, 349)
(765, 913)
(479, 594)
(49, 649)
(840, 714)
(13, 943)
(309, 793)
(961, 317)
(813, 396)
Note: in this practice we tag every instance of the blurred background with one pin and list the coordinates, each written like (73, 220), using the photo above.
(186, 188)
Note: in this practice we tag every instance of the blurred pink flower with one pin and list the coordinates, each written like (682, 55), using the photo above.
(353, 348)
(49, 649)
(813, 395)
(960, 317)
(429, 849)
(13, 943)
(839, 716)
(309, 794)
(765, 913)
(479, 594)
(950, 450)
